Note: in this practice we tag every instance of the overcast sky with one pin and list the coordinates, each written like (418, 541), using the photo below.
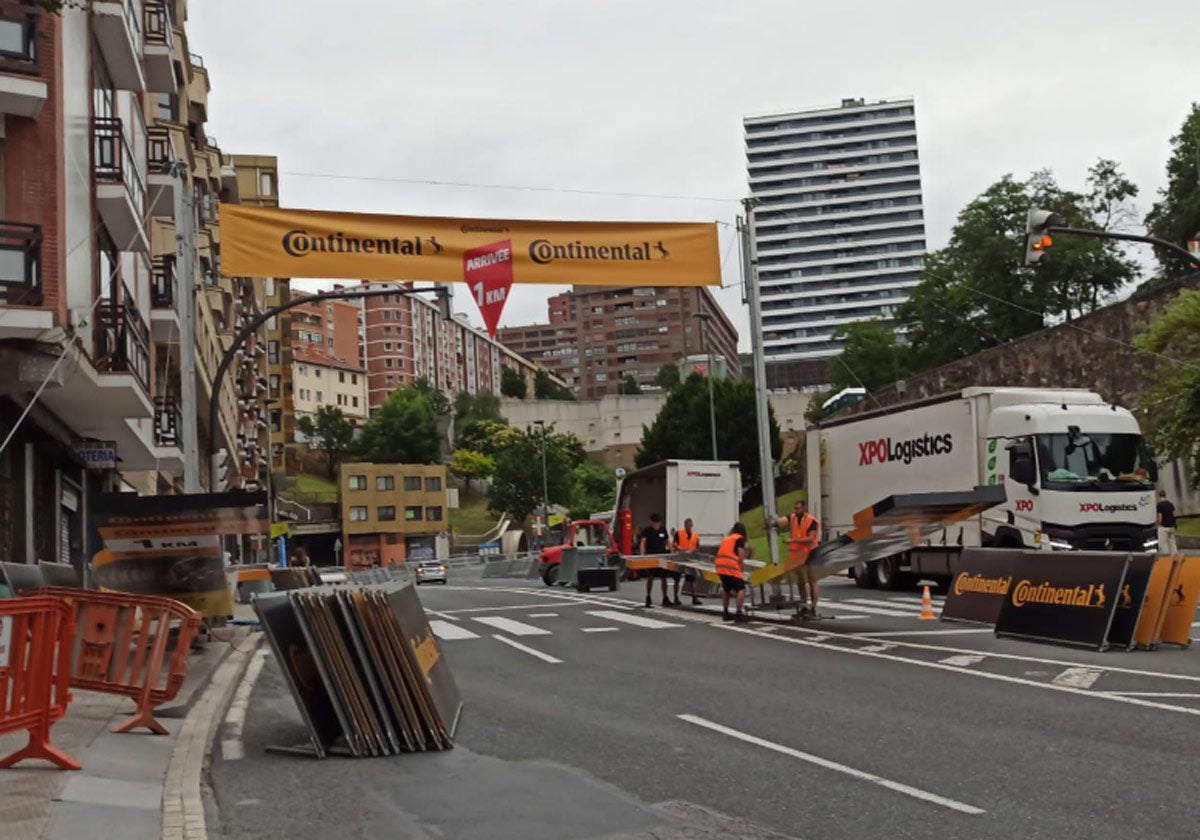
(567, 99)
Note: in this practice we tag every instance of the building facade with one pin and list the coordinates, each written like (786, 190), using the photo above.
(327, 366)
(392, 513)
(840, 226)
(599, 336)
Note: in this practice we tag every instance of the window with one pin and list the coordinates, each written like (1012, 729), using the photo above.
(412, 484)
(387, 346)
(266, 183)
(387, 362)
(340, 399)
(358, 482)
(354, 402)
(412, 513)
(273, 352)
(354, 381)
(320, 396)
(341, 376)
(317, 372)
(386, 513)
(433, 485)
(358, 513)
(385, 482)
(433, 514)
(302, 370)
(274, 380)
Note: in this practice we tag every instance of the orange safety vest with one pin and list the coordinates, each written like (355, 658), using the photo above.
(803, 540)
(727, 559)
(685, 542)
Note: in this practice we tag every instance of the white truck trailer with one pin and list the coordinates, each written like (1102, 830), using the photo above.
(1077, 474)
(707, 492)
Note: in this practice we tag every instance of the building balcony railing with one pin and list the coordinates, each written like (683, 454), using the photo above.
(19, 38)
(122, 340)
(160, 151)
(162, 282)
(20, 264)
(167, 421)
(159, 25)
(114, 161)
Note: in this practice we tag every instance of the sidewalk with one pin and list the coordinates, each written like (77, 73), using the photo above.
(119, 791)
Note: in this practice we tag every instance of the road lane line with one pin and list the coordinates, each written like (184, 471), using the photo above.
(1066, 689)
(634, 619)
(962, 660)
(1147, 694)
(891, 605)
(899, 787)
(858, 608)
(879, 648)
(1078, 677)
(446, 616)
(448, 632)
(517, 628)
(542, 615)
(599, 629)
(545, 657)
(232, 748)
(958, 631)
(465, 610)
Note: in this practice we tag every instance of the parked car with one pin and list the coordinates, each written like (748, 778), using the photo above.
(431, 571)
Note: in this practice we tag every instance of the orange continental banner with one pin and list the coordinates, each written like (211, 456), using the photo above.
(271, 242)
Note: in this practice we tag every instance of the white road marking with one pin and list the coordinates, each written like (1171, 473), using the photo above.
(962, 660)
(899, 787)
(1078, 677)
(956, 631)
(542, 615)
(633, 618)
(232, 748)
(446, 616)
(450, 632)
(545, 657)
(839, 605)
(1134, 701)
(1147, 694)
(500, 609)
(517, 628)
(879, 648)
(891, 605)
(599, 629)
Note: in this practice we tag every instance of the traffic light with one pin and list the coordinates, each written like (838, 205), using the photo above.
(1037, 233)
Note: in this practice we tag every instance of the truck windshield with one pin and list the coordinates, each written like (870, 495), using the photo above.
(1106, 461)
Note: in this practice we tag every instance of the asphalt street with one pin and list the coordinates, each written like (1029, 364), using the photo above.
(588, 716)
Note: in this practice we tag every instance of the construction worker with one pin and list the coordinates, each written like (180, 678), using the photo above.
(731, 557)
(804, 536)
(687, 541)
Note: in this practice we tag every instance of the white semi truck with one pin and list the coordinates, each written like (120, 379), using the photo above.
(1077, 473)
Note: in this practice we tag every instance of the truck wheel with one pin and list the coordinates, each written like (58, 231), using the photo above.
(550, 576)
(864, 575)
(887, 573)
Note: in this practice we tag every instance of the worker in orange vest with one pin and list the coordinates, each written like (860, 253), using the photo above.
(687, 541)
(803, 537)
(731, 558)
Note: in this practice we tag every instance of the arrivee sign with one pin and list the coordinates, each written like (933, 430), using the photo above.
(488, 271)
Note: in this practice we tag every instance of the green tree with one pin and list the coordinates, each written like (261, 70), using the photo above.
(330, 432)
(545, 388)
(870, 358)
(485, 436)
(594, 489)
(403, 431)
(517, 483)
(1170, 349)
(682, 430)
(1175, 217)
(437, 398)
(629, 385)
(472, 465)
(668, 376)
(512, 384)
(480, 406)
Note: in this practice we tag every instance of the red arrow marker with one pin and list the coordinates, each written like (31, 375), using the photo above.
(488, 271)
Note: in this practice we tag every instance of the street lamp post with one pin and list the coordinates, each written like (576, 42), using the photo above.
(267, 403)
(705, 317)
(545, 486)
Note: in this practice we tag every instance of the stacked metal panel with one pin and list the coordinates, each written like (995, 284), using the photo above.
(364, 667)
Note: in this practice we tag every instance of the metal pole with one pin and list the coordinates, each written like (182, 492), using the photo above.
(1128, 237)
(270, 466)
(545, 487)
(706, 318)
(184, 290)
(767, 467)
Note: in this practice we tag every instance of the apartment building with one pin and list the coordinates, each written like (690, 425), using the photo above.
(405, 339)
(598, 336)
(109, 185)
(392, 513)
(327, 366)
(840, 226)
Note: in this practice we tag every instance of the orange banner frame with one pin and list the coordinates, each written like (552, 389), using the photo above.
(276, 242)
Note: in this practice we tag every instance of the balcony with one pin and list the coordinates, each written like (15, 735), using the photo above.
(122, 341)
(160, 183)
(21, 281)
(164, 315)
(22, 91)
(117, 25)
(167, 422)
(120, 191)
(160, 44)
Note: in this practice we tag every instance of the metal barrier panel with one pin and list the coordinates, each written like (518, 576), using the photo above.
(35, 648)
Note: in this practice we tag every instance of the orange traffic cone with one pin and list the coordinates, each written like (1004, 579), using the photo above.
(927, 607)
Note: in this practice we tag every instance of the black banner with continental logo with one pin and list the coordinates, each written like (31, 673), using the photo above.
(1068, 597)
(1132, 601)
(982, 579)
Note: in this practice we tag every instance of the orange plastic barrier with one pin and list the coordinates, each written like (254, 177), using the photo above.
(35, 666)
(122, 644)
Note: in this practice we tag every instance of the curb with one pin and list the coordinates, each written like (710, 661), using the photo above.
(191, 693)
(183, 800)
